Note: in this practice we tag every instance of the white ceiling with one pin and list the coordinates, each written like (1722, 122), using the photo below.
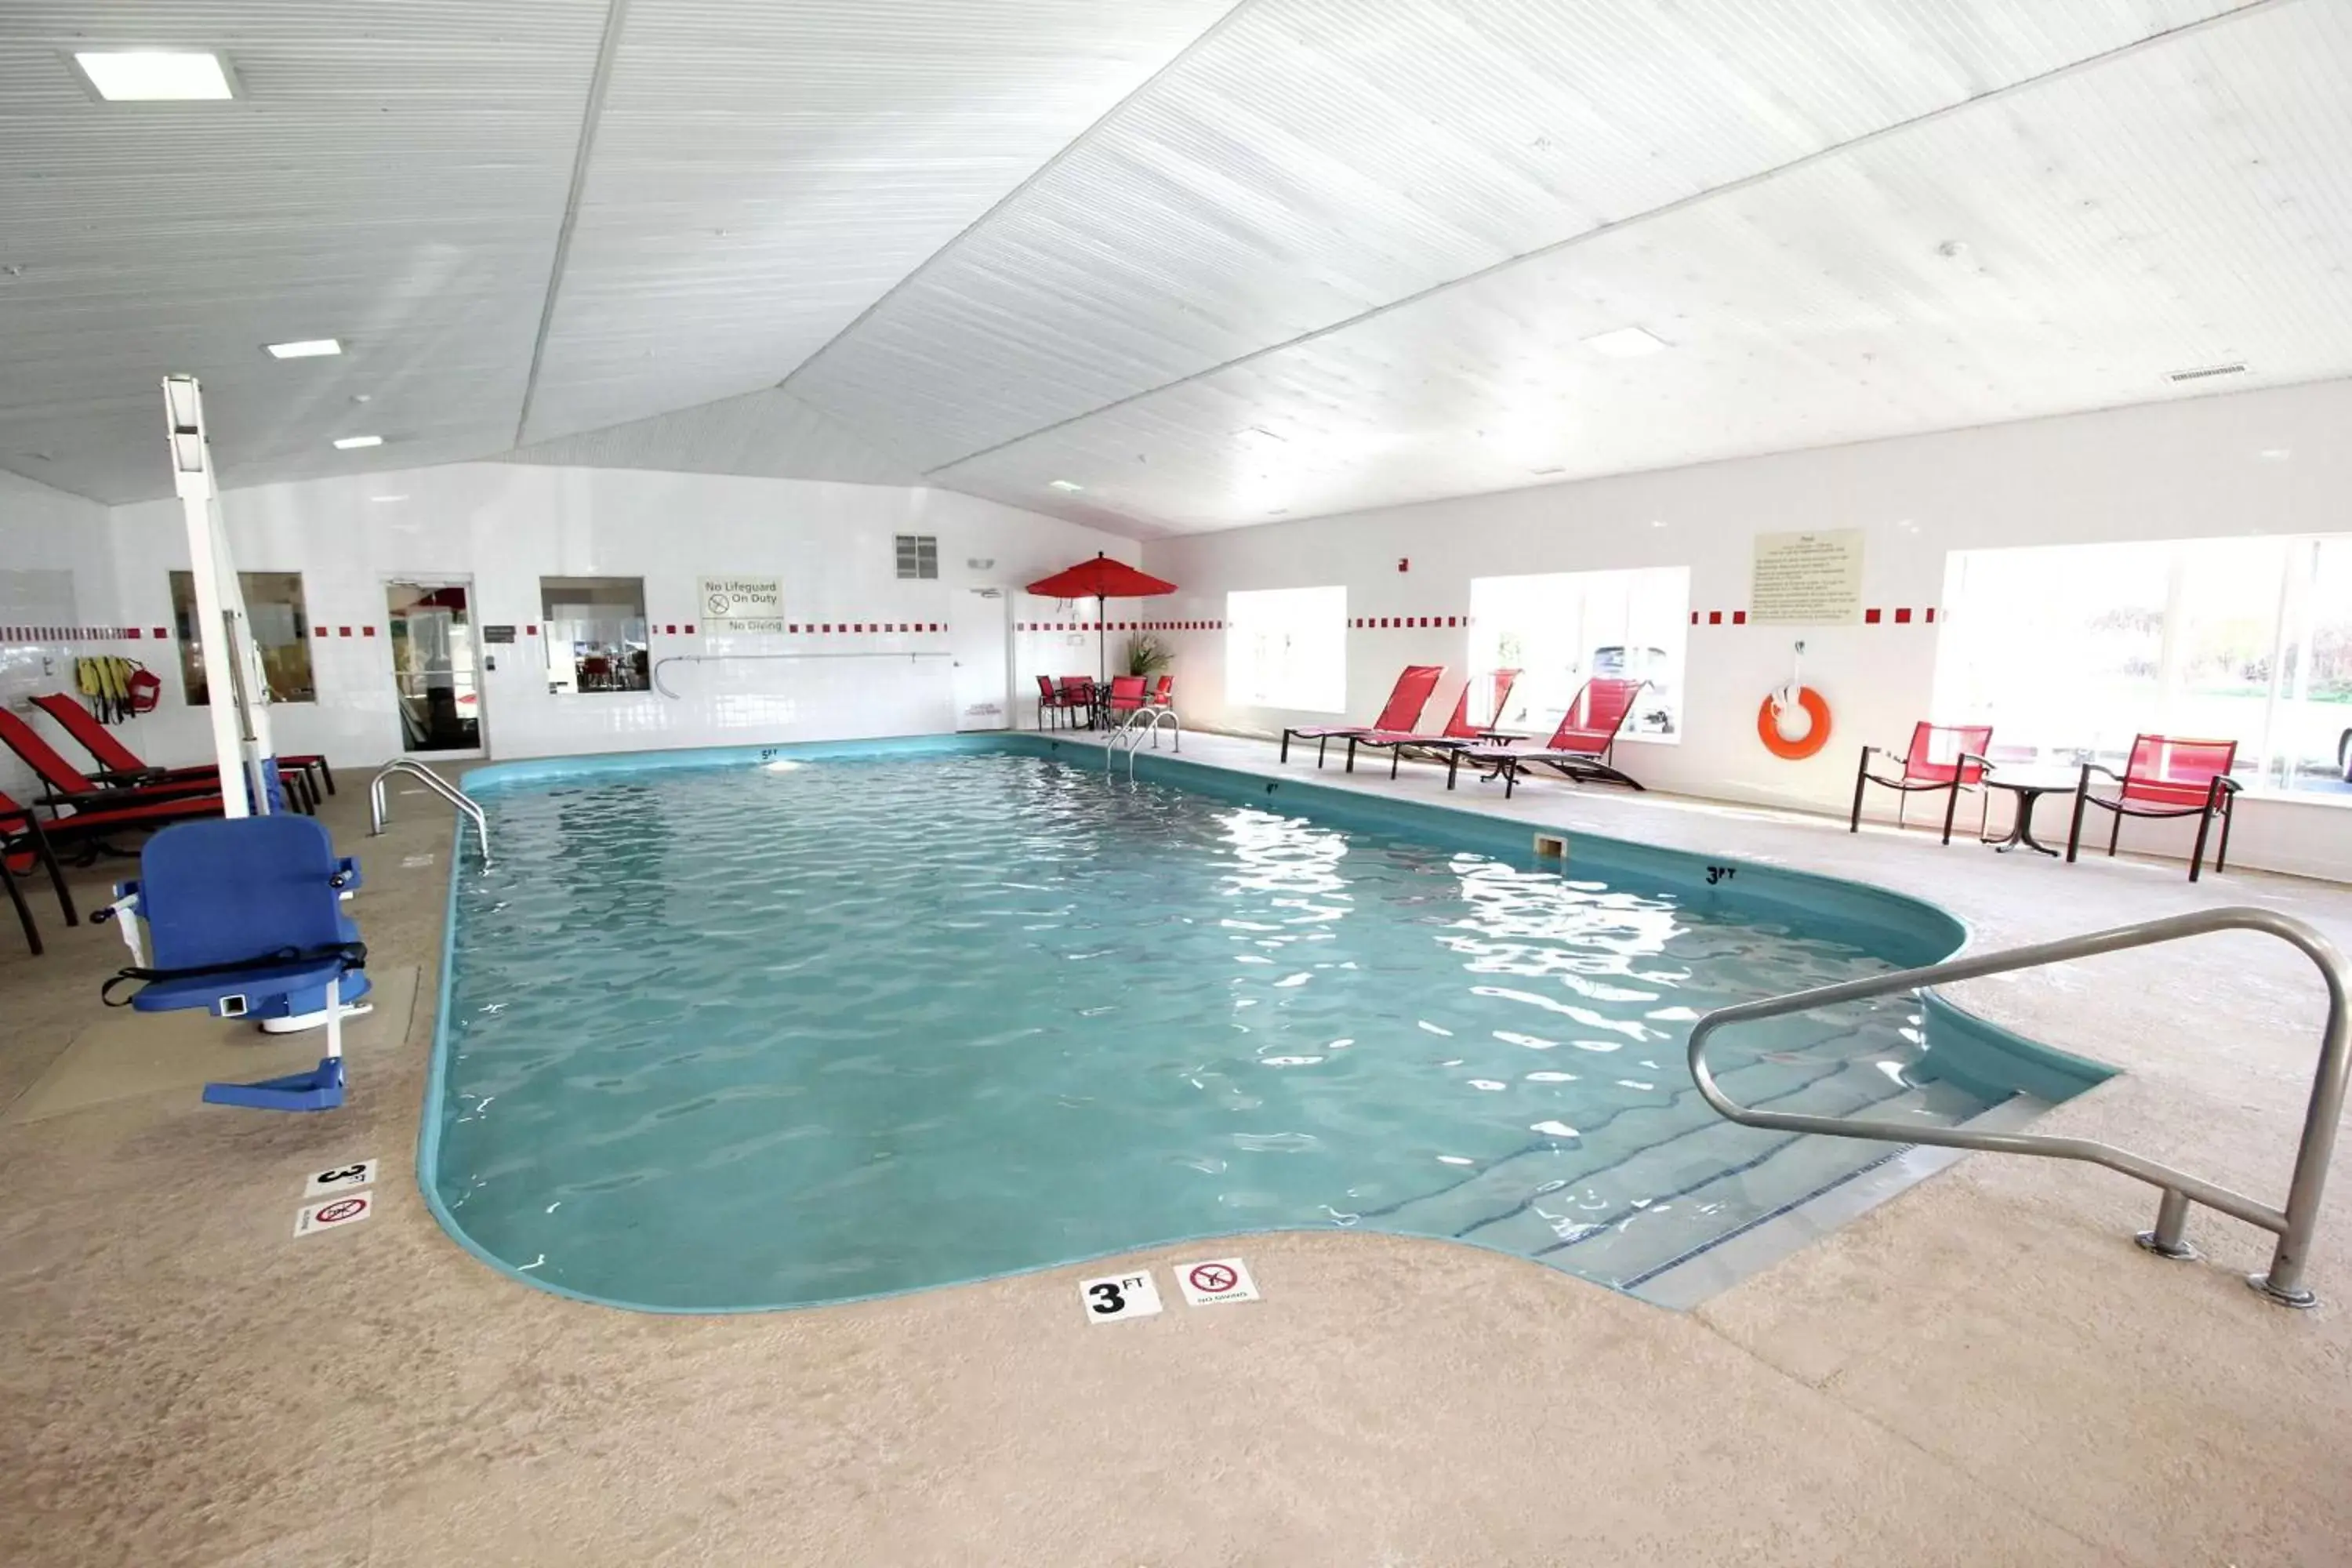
(1214, 264)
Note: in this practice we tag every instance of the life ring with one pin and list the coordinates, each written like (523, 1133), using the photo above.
(1816, 736)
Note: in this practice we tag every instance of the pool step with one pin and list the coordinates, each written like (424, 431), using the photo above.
(1643, 1205)
(1505, 1184)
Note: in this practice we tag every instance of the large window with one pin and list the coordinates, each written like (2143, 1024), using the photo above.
(279, 625)
(595, 634)
(2068, 651)
(1563, 628)
(1288, 647)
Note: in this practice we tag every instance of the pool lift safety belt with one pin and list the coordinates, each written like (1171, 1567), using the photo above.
(245, 913)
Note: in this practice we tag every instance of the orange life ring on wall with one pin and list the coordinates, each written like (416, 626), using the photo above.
(1767, 726)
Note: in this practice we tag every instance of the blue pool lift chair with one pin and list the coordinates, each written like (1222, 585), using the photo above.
(245, 917)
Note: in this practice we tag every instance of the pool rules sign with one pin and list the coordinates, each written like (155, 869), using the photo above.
(743, 604)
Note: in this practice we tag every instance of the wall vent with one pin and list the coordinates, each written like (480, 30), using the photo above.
(2205, 372)
(918, 554)
(1551, 847)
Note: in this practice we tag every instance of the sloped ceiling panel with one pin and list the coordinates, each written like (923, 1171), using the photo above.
(2062, 249)
(763, 172)
(769, 434)
(1317, 159)
(394, 176)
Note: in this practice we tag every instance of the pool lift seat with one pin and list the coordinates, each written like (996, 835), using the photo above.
(245, 919)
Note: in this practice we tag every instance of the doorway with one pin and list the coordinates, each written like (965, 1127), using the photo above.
(979, 646)
(435, 674)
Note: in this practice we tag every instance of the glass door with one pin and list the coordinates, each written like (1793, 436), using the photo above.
(435, 671)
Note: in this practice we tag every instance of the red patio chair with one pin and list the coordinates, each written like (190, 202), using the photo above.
(70, 786)
(1160, 697)
(1126, 695)
(1079, 691)
(1401, 715)
(1942, 757)
(121, 765)
(1579, 750)
(1461, 729)
(1052, 698)
(2167, 776)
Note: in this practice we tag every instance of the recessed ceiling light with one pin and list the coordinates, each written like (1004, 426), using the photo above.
(349, 442)
(1064, 485)
(154, 75)
(1625, 343)
(305, 348)
(2277, 454)
(1657, 522)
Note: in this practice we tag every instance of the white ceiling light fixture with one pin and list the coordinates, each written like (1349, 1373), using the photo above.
(305, 348)
(1064, 484)
(1626, 343)
(155, 76)
(352, 442)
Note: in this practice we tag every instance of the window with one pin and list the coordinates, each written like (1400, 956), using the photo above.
(1563, 628)
(1288, 647)
(274, 615)
(918, 555)
(595, 633)
(2068, 651)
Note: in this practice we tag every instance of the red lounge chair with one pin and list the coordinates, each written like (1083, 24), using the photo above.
(1459, 730)
(26, 841)
(70, 786)
(2167, 777)
(1578, 751)
(1402, 715)
(121, 765)
(1942, 757)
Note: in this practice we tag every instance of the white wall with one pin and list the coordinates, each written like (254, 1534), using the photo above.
(2187, 470)
(51, 545)
(505, 526)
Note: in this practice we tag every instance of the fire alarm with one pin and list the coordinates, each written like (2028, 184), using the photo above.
(1404, 564)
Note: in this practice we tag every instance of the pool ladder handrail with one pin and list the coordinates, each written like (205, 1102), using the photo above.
(412, 768)
(2293, 1225)
(1142, 721)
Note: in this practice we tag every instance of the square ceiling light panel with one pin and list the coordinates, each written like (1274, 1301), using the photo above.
(155, 76)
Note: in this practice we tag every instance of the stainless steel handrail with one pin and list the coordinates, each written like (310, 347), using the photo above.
(2292, 1225)
(414, 769)
(1142, 721)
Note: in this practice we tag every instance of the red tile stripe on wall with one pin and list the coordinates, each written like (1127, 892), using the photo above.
(1903, 616)
(72, 634)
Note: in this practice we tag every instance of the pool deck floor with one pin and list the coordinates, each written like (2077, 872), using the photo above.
(1983, 1370)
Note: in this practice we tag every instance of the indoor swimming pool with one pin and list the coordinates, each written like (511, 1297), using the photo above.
(724, 1034)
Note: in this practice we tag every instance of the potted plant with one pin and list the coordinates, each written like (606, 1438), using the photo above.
(1147, 655)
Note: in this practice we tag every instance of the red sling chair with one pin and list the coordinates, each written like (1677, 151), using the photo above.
(1406, 700)
(1460, 730)
(121, 764)
(2167, 777)
(1052, 698)
(1579, 750)
(1942, 757)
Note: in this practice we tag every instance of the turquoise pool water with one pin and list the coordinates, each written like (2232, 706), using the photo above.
(740, 1036)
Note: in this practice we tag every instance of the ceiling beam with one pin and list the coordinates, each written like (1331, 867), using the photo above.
(1039, 173)
(616, 15)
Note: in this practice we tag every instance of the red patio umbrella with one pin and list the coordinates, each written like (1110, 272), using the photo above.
(1099, 579)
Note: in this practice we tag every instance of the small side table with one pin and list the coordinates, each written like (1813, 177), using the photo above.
(2029, 786)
